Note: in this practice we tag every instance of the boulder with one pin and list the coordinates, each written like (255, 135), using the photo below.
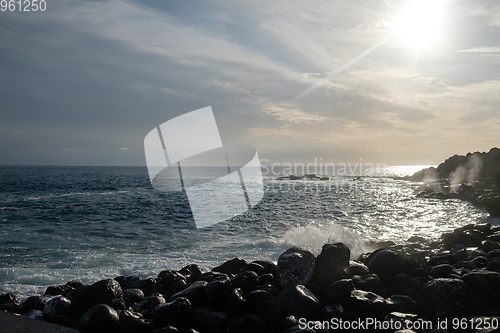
(107, 292)
(443, 271)
(34, 314)
(366, 304)
(386, 263)
(149, 304)
(405, 285)
(8, 298)
(247, 323)
(339, 290)
(369, 282)
(136, 325)
(246, 280)
(232, 266)
(401, 303)
(483, 282)
(179, 310)
(194, 292)
(133, 295)
(56, 306)
(205, 319)
(358, 268)
(32, 303)
(236, 303)
(439, 293)
(264, 305)
(216, 292)
(297, 300)
(332, 310)
(331, 265)
(99, 318)
(295, 266)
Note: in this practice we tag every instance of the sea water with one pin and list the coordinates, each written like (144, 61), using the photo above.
(88, 223)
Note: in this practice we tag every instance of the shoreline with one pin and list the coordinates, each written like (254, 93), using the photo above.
(457, 276)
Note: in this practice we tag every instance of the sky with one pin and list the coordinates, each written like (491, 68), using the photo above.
(379, 81)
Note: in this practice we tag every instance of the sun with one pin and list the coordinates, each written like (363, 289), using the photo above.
(420, 23)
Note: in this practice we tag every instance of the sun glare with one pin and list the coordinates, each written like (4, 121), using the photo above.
(420, 23)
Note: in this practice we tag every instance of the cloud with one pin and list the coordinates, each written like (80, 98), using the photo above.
(96, 75)
(484, 49)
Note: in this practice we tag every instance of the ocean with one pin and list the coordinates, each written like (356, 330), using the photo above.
(88, 223)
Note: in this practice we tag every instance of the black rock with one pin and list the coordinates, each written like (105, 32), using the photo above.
(32, 303)
(493, 266)
(458, 253)
(169, 283)
(483, 282)
(193, 270)
(401, 303)
(232, 266)
(246, 280)
(365, 304)
(62, 320)
(400, 320)
(236, 303)
(269, 288)
(128, 282)
(464, 264)
(266, 278)
(386, 263)
(194, 292)
(146, 285)
(254, 267)
(438, 259)
(8, 298)
(34, 314)
(443, 271)
(177, 311)
(216, 292)
(9, 307)
(264, 305)
(405, 285)
(167, 329)
(56, 306)
(128, 314)
(494, 254)
(136, 325)
(332, 310)
(299, 301)
(331, 265)
(247, 323)
(149, 304)
(417, 239)
(479, 262)
(107, 292)
(99, 318)
(205, 319)
(133, 295)
(295, 266)
(269, 266)
(369, 282)
(358, 268)
(339, 290)
(438, 294)
(58, 290)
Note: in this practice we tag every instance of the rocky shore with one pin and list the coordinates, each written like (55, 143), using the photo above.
(474, 177)
(453, 280)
